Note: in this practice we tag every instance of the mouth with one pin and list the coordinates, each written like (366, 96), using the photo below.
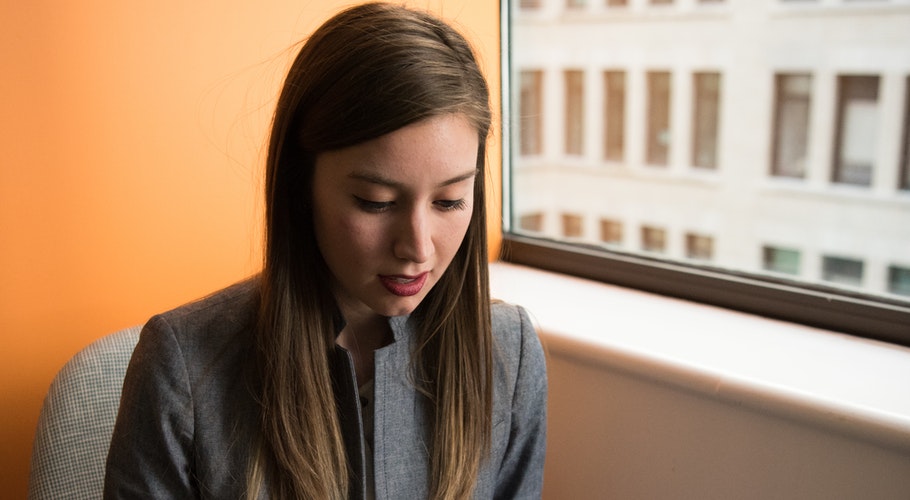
(404, 286)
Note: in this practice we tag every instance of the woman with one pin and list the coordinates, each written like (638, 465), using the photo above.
(366, 360)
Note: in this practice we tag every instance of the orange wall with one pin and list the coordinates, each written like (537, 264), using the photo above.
(132, 138)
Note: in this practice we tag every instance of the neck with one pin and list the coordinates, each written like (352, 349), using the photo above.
(361, 338)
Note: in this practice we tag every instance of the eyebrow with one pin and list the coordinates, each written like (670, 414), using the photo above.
(374, 178)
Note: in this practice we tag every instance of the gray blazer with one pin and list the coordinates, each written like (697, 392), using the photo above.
(188, 413)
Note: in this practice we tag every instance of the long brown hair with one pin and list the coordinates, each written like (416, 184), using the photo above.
(368, 71)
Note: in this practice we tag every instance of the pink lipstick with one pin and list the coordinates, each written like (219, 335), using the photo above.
(404, 286)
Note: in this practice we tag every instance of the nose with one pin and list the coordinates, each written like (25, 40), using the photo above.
(414, 241)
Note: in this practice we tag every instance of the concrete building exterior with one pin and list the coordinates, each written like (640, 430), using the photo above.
(769, 136)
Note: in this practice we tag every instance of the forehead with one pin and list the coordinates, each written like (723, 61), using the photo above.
(430, 152)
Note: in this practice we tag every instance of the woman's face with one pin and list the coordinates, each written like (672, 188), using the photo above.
(391, 213)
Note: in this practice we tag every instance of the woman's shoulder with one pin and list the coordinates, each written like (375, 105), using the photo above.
(513, 330)
(509, 319)
(208, 325)
(227, 309)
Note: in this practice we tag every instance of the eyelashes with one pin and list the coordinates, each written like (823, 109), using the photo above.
(376, 207)
(373, 207)
(449, 205)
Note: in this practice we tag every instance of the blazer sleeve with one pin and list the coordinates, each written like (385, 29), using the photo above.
(151, 448)
(521, 469)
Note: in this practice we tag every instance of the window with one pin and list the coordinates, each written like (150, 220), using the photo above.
(857, 124)
(899, 280)
(575, 112)
(904, 182)
(575, 4)
(791, 125)
(529, 4)
(531, 111)
(653, 239)
(532, 222)
(842, 271)
(572, 226)
(705, 117)
(699, 246)
(614, 115)
(658, 118)
(611, 231)
(780, 260)
(803, 216)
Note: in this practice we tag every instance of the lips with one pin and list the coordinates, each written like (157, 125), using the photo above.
(402, 285)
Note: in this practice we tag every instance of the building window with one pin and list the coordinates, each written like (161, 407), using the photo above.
(699, 246)
(658, 119)
(575, 4)
(614, 115)
(611, 231)
(857, 129)
(904, 181)
(531, 222)
(617, 3)
(531, 112)
(653, 239)
(842, 271)
(529, 4)
(575, 112)
(572, 226)
(661, 2)
(899, 280)
(791, 125)
(705, 119)
(780, 260)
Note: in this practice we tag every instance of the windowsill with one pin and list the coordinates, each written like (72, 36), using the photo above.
(843, 383)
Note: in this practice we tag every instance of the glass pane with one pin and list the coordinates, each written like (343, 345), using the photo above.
(704, 120)
(614, 115)
(842, 271)
(760, 139)
(530, 108)
(611, 231)
(575, 112)
(699, 246)
(653, 239)
(791, 125)
(857, 125)
(905, 161)
(658, 117)
(780, 260)
(899, 280)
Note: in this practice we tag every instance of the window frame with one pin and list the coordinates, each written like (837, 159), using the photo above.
(815, 305)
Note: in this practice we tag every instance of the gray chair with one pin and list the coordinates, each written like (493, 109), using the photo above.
(77, 420)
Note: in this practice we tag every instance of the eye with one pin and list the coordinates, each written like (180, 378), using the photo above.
(449, 205)
(372, 206)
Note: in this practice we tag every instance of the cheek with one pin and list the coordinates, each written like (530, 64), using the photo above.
(454, 232)
(341, 236)
(356, 236)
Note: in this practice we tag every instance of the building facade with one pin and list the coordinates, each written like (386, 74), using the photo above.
(767, 136)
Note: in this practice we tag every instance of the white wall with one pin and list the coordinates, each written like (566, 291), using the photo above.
(658, 398)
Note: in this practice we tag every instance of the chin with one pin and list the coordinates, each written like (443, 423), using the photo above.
(399, 307)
